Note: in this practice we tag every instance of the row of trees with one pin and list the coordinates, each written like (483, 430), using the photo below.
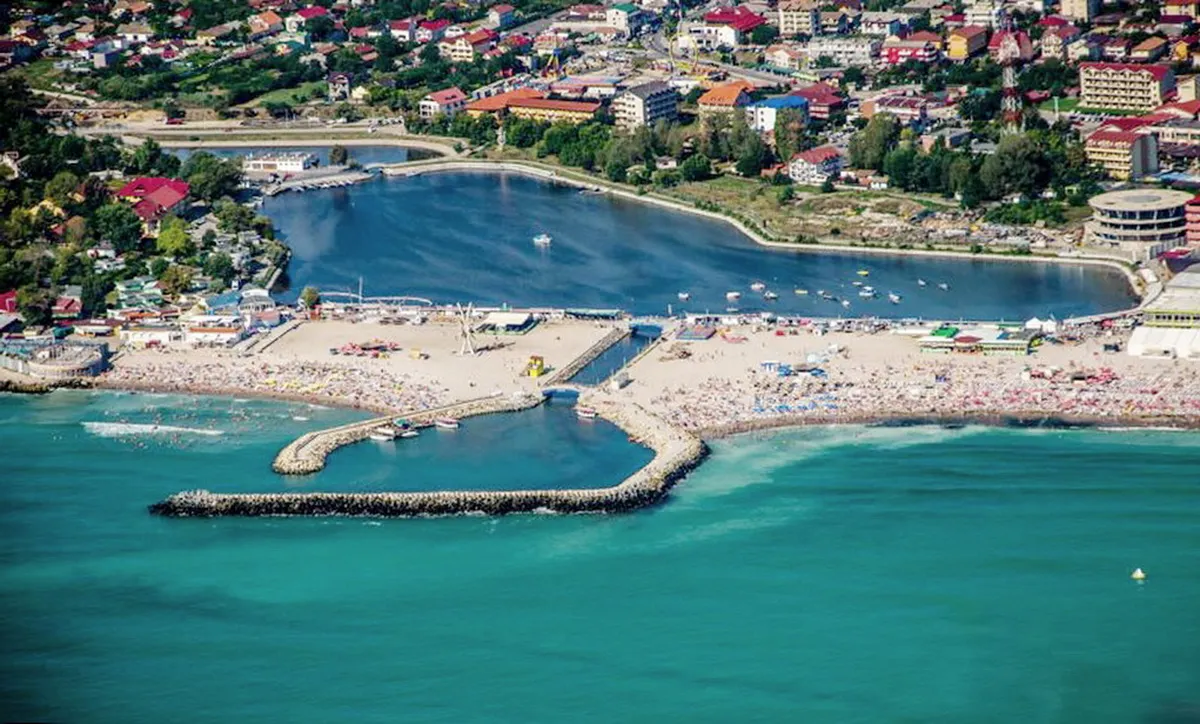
(1025, 164)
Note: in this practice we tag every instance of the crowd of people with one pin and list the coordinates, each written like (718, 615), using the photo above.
(372, 389)
(844, 389)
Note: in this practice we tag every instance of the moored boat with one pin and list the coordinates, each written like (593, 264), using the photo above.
(944, 287)
(383, 433)
(863, 273)
(446, 423)
(409, 434)
(757, 287)
(921, 282)
(893, 297)
(770, 296)
(684, 296)
(802, 292)
(733, 296)
(585, 413)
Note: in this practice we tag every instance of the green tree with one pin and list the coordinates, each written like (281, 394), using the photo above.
(1019, 165)
(615, 170)
(35, 304)
(311, 297)
(176, 280)
(210, 177)
(753, 157)
(870, 146)
(784, 194)
(338, 156)
(158, 267)
(118, 225)
(173, 239)
(789, 133)
(764, 35)
(220, 266)
(233, 217)
(61, 188)
(827, 186)
(696, 168)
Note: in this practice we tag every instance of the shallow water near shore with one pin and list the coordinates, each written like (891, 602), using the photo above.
(834, 574)
(466, 237)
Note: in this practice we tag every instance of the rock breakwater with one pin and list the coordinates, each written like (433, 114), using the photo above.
(676, 454)
(307, 453)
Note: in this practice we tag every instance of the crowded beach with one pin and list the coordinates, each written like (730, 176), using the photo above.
(382, 368)
(754, 377)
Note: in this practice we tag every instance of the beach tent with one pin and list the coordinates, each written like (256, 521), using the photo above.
(1048, 326)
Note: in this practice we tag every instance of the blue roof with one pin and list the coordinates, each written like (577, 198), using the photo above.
(782, 102)
(227, 299)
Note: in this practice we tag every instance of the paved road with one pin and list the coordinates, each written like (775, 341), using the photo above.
(656, 46)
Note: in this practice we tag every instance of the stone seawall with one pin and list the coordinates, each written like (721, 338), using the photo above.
(676, 454)
(306, 454)
(563, 375)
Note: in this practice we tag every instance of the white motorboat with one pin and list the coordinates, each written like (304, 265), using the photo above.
(586, 413)
(409, 434)
(446, 423)
(893, 297)
(920, 282)
(770, 296)
(856, 283)
(802, 292)
(684, 296)
(542, 240)
(384, 433)
(757, 287)
(944, 287)
(846, 303)
(867, 294)
(733, 296)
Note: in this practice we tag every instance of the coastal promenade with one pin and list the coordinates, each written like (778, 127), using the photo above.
(676, 454)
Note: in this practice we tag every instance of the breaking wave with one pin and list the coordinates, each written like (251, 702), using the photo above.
(122, 429)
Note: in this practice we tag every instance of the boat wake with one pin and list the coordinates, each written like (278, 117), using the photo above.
(124, 429)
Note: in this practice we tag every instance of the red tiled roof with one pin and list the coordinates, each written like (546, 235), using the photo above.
(315, 11)
(740, 18)
(969, 31)
(1192, 108)
(820, 93)
(817, 155)
(1125, 124)
(925, 36)
(1053, 21)
(1113, 137)
(445, 97)
(143, 186)
(1158, 71)
(8, 302)
(435, 24)
(500, 101)
(723, 95)
(501, 9)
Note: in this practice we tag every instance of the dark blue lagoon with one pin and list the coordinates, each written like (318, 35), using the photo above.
(468, 237)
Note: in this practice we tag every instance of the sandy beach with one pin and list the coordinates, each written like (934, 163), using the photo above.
(425, 371)
(718, 388)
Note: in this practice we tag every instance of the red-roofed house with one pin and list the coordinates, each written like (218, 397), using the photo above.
(444, 102)
(741, 18)
(1124, 86)
(1057, 41)
(1124, 155)
(297, 20)
(1013, 42)
(404, 30)
(815, 166)
(502, 15)
(823, 100)
(464, 48)
(1190, 8)
(1053, 21)
(1189, 110)
(69, 304)
(431, 31)
(264, 24)
(154, 197)
(8, 302)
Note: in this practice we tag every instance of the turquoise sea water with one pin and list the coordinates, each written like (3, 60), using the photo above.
(845, 574)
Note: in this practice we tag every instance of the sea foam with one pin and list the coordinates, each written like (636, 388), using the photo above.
(122, 429)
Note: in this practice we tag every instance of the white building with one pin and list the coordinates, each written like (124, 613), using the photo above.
(815, 166)
(279, 162)
(693, 37)
(444, 102)
(761, 115)
(844, 51)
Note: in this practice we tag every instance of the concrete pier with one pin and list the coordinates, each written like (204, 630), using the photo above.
(306, 454)
(564, 374)
(676, 453)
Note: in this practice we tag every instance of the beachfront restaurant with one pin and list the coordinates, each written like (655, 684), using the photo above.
(977, 340)
(507, 323)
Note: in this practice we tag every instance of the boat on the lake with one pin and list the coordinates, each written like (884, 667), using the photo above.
(770, 296)
(733, 296)
(757, 287)
(542, 240)
(684, 296)
(944, 287)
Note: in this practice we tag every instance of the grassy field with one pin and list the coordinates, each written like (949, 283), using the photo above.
(40, 74)
(1065, 105)
(308, 91)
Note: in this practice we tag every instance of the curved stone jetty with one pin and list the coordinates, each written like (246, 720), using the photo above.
(676, 453)
(306, 454)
